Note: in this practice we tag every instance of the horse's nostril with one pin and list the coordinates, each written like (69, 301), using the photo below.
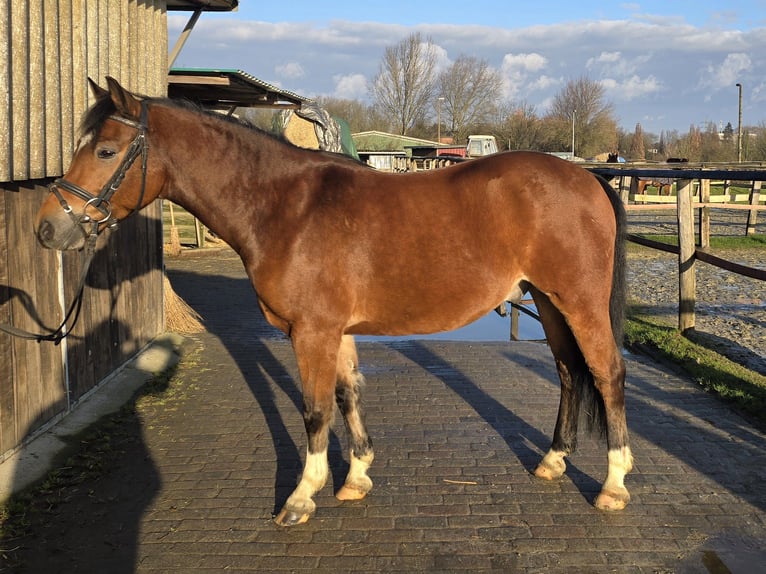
(46, 232)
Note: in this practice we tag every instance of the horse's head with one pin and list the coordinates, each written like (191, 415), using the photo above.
(109, 177)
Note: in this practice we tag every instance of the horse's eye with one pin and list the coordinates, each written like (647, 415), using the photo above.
(105, 153)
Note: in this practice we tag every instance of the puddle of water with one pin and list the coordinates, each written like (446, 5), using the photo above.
(491, 327)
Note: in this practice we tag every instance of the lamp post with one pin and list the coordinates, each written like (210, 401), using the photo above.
(739, 126)
(573, 132)
(439, 119)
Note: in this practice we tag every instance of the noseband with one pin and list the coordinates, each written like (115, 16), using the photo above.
(139, 146)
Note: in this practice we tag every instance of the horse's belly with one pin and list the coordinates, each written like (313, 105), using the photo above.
(428, 316)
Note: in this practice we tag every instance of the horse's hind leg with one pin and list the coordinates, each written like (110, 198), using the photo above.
(347, 395)
(571, 367)
(590, 367)
(593, 331)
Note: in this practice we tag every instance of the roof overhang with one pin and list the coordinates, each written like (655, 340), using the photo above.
(224, 89)
(204, 5)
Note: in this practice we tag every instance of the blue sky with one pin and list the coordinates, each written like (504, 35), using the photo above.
(665, 65)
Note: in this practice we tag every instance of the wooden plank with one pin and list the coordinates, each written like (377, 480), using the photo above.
(704, 214)
(6, 143)
(51, 85)
(53, 391)
(19, 91)
(687, 285)
(8, 435)
(35, 90)
(66, 75)
(79, 62)
(39, 391)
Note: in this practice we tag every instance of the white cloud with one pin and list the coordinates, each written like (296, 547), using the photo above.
(290, 71)
(519, 63)
(759, 93)
(351, 86)
(631, 88)
(651, 67)
(603, 57)
(727, 73)
(517, 72)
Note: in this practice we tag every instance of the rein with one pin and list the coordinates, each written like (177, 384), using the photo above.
(139, 146)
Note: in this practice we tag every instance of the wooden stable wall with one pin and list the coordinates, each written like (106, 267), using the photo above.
(48, 49)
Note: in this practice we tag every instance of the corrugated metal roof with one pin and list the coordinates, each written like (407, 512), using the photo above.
(205, 5)
(227, 88)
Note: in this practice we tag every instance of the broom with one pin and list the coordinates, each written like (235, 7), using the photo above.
(179, 316)
(174, 247)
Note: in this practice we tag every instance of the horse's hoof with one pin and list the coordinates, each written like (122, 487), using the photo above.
(552, 466)
(290, 518)
(610, 500)
(548, 472)
(545, 473)
(350, 493)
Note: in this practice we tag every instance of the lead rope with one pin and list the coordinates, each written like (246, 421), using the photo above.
(73, 311)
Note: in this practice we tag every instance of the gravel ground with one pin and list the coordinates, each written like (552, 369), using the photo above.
(730, 308)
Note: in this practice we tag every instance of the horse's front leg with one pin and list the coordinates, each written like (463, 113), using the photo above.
(316, 353)
(348, 397)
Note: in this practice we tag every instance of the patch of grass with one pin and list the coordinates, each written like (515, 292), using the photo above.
(742, 388)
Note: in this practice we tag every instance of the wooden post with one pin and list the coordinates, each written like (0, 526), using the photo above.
(514, 323)
(632, 189)
(704, 214)
(752, 217)
(687, 284)
(199, 233)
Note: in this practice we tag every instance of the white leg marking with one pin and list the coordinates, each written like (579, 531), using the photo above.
(552, 466)
(357, 473)
(357, 484)
(315, 473)
(620, 464)
(614, 495)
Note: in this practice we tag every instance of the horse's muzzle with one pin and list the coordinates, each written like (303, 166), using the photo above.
(60, 232)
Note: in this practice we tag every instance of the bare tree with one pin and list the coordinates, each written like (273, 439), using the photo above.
(357, 114)
(581, 105)
(637, 150)
(403, 89)
(471, 90)
(522, 128)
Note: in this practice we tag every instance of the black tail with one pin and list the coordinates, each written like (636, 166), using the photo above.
(617, 300)
(592, 403)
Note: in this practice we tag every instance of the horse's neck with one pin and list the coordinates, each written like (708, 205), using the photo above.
(220, 173)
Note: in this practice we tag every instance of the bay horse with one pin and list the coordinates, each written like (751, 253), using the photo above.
(664, 185)
(334, 248)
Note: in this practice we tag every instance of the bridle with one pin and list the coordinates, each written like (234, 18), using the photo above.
(139, 146)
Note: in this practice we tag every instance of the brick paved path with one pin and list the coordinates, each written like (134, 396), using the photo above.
(457, 427)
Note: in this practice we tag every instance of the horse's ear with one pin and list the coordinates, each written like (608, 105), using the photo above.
(126, 104)
(98, 91)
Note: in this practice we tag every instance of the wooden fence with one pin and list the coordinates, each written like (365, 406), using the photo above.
(688, 198)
